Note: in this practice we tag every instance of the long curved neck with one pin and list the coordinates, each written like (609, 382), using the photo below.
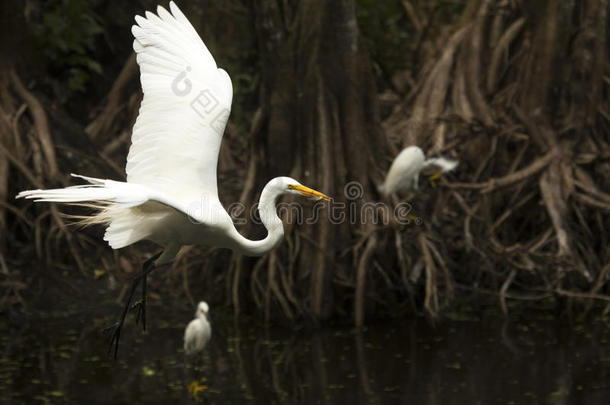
(271, 221)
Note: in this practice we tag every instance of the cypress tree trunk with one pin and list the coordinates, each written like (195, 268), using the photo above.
(319, 127)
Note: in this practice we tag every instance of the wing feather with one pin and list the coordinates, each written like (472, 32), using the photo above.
(187, 100)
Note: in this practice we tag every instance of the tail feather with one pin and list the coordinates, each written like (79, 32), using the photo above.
(91, 180)
(129, 225)
(101, 191)
(114, 201)
(124, 230)
(440, 164)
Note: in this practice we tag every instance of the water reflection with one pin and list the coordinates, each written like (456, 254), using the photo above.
(55, 360)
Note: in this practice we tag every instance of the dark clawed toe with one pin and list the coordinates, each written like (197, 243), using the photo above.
(107, 329)
(114, 338)
(141, 314)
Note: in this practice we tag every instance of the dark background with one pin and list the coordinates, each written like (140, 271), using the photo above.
(329, 92)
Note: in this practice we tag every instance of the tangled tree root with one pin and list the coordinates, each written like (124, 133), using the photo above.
(532, 211)
(519, 94)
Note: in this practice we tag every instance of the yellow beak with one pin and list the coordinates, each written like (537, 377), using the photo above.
(308, 192)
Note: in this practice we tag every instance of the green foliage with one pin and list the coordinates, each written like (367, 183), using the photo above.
(65, 33)
(387, 32)
(245, 88)
(390, 35)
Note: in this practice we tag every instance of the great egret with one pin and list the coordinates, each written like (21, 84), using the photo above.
(404, 172)
(199, 331)
(170, 196)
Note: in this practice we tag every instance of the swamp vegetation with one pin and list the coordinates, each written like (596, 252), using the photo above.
(329, 92)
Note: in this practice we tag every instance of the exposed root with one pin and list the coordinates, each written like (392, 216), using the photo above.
(41, 123)
(361, 272)
(518, 94)
(531, 209)
(106, 119)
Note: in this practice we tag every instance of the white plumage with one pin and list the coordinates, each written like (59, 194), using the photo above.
(171, 195)
(406, 167)
(175, 144)
(199, 331)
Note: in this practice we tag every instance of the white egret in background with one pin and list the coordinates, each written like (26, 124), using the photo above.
(199, 331)
(171, 196)
(410, 162)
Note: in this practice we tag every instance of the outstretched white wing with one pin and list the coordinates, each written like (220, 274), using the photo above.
(187, 100)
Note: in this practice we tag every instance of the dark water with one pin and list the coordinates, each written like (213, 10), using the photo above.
(59, 358)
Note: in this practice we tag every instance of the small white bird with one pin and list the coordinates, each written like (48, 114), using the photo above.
(171, 196)
(410, 162)
(199, 331)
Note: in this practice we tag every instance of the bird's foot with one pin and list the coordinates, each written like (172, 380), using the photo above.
(141, 314)
(114, 338)
(195, 388)
(432, 179)
(140, 305)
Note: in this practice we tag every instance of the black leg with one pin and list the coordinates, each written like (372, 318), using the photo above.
(147, 267)
(144, 303)
(116, 335)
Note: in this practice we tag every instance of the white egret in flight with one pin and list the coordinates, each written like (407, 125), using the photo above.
(405, 169)
(171, 196)
(199, 331)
